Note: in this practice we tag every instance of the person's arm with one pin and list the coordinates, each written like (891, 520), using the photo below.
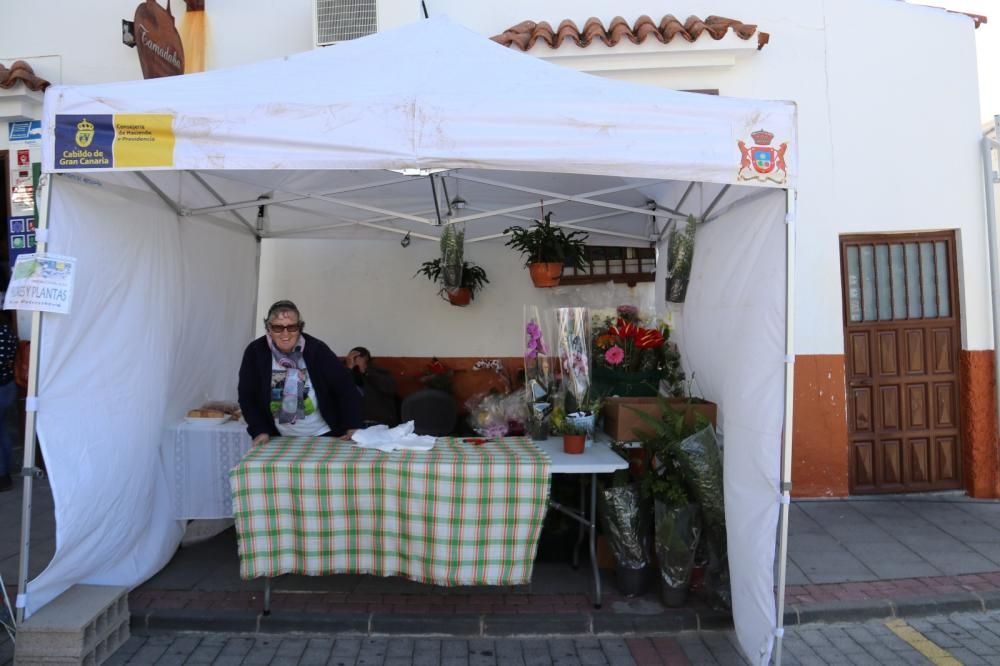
(248, 391)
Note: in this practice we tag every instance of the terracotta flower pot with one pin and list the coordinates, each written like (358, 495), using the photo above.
(573, 443)
(545, 274)
(460, 296)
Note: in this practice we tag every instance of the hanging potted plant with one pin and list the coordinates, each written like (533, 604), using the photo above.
(680, 253)
(471, 281)
(547, 249)
(452, 244)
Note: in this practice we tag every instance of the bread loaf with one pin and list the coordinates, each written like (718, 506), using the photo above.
(206, 413)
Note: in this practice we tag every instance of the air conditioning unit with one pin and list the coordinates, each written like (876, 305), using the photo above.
(339, 20)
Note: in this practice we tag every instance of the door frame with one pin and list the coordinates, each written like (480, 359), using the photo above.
(950, 236)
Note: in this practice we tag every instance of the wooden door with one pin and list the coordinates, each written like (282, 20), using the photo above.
(901, 334)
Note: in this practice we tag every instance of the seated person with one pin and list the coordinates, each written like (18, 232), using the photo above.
(292, 384)
(377, 387)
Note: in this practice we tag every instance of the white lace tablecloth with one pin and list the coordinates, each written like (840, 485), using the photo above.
(196, 461)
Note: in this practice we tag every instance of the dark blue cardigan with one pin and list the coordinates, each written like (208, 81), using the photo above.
(339, 400)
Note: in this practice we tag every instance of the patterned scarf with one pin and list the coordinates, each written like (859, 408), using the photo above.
(293, 395)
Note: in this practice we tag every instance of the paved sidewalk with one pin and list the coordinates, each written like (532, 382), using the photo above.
(849, 560)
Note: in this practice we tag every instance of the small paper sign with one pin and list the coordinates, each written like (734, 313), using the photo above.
(41, 282)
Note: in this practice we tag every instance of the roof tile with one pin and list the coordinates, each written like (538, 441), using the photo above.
(524, 35)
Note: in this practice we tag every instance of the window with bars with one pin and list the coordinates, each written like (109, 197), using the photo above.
(605, 263)
(340, 20)
(898, 279)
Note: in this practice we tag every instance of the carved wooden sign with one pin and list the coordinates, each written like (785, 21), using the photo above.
(157, 40)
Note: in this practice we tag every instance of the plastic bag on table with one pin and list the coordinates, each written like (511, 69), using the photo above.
(492, 414)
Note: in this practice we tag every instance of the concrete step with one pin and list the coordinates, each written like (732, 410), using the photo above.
(83, 626)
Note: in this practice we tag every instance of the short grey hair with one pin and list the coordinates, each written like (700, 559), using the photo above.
(281, 307)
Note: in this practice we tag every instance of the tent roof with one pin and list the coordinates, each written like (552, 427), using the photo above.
(427, 96)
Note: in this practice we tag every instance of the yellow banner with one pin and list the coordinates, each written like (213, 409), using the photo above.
(143, 140)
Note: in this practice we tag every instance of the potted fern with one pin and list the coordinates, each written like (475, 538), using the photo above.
(471, 281)
(547, 249)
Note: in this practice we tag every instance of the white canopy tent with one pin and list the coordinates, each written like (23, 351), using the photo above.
(162, 190)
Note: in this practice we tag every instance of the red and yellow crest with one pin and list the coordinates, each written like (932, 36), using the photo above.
(762, 161)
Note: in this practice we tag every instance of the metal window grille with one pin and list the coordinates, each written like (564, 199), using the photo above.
(619, 264)
(340, 20)
(898, 280)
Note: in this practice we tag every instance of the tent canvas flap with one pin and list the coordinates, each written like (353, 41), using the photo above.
(391, 101)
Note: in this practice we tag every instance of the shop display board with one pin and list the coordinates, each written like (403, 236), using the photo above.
(25, 139)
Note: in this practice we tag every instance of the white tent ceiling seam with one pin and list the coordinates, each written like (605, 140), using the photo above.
(339, 118)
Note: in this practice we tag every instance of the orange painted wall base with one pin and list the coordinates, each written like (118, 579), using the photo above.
(819, 447)
(977, 402)
(466, 381)
(819, 417)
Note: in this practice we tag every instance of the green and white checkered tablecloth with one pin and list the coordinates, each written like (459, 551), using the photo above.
(459, 514)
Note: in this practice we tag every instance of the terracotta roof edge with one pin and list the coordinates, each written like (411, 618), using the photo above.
(526, 34)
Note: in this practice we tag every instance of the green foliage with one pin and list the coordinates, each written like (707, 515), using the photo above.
(452, 246)
(546, 242)
(473, 276)
(664, 479)
(680, 249)
(569, 427)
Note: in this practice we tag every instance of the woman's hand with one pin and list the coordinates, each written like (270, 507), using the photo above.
(349, 434)
(262, 438)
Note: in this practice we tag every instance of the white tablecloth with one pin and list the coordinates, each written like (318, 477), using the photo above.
(196, 461)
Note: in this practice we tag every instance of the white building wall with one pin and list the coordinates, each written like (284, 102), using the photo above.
(365, 294)
(888, 132)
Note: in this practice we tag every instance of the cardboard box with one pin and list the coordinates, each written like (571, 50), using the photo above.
(621, 420)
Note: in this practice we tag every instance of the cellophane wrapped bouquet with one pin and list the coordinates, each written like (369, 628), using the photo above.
(539, 369)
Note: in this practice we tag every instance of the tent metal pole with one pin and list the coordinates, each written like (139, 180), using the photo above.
(31, 406)
(159, 192)
(990, 180)
(580, 198)
(278, 200)
(235, 213)
(786, 433)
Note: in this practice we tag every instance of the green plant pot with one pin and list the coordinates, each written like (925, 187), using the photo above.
(626, 384)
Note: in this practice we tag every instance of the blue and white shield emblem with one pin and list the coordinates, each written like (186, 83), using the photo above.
(763, 159)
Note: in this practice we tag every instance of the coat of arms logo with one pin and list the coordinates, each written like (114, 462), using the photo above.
(762, 161)
(84, 133)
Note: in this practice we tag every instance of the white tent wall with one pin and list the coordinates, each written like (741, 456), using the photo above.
(364, 293)
(732, 330)
(161, 310)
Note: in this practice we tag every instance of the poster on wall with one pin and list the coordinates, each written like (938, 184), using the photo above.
(25, 147)
(41, 282)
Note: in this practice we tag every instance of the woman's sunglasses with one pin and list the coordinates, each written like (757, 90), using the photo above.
(290, 328)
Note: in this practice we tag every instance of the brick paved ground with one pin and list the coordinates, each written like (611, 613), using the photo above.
(966, 638)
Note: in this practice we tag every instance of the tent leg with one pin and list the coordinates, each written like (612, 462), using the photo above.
(31, 407)
(786, 435)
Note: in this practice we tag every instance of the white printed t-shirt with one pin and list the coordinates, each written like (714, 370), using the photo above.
(310, 425)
